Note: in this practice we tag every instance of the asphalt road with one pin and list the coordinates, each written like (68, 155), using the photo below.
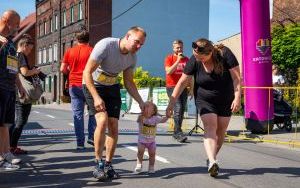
(53, 161)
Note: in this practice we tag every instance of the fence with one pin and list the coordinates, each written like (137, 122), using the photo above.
(282, 130)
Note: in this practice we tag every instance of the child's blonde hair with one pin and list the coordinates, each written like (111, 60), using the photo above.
(154, 107)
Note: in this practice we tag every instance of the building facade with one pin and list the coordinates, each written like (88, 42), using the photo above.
(286, 11)
(27, 26)
(56, 22)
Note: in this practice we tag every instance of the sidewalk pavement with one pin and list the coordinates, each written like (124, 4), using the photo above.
(236, 129)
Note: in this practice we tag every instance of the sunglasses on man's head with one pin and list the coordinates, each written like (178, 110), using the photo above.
(199, 50)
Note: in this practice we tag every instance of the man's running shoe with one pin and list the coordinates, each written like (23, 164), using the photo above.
(98, 172)
(111, 173)
(90, 141)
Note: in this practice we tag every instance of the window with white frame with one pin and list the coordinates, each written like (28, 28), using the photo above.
(55, 52)
(80, 11)
(44, 55)
(51, 25)
(72, 13)
(50, 54)
(55, 22)
(64, 18)
(45, 27)
(40, 56)
(40, 29)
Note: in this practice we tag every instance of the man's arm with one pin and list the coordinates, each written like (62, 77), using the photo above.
(90, 67)
(131, 87)
(64, 68)
(171, 69)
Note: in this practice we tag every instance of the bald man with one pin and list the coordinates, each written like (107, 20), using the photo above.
(9, 25)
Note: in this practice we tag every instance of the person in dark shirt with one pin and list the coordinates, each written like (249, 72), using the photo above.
(9, 24)
(25, 46)
(217, 93)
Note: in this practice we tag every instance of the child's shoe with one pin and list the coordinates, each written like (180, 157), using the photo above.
(138, 168)
(151, 170)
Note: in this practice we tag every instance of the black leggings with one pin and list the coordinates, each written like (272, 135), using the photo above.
(22, 114)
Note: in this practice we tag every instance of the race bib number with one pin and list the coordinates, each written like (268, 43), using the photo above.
(12, 64)
(107, 80)
(148, 130)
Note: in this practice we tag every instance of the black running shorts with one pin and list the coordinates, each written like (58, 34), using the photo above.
(111, 96)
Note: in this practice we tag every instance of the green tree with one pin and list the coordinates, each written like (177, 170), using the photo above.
(286, 50)
(142, 79)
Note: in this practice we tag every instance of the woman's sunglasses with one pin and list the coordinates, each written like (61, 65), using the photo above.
(199, 50)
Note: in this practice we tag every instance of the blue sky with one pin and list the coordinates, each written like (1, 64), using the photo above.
(224, 15)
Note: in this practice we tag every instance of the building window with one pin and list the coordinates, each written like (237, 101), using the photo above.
(55, 22)
(40, 56)
(51, 25)
(50, 54)
(72, 13)
(64, 18)
(44, 55)
(80, 11)
(49, 85)
(45, 27)
(63, 48)
(40, 29)
(55, 52)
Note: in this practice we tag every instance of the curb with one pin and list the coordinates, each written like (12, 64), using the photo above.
(255, 138)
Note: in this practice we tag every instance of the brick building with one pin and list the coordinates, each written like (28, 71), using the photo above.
(286, 11)
(27, 26)
(56, 21)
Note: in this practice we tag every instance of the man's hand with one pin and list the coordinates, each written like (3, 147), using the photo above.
(3, 41)
(169, 110)
(99, 104)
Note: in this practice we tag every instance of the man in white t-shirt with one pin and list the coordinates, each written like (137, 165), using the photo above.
(110, 57)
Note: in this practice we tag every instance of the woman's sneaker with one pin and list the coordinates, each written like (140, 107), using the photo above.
(10, 158)
(213, 169)
(98, 172)
(138, 168)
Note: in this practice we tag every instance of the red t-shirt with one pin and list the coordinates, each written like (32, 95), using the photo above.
(76, 58)
(172, 79)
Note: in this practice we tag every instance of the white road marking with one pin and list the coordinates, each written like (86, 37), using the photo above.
(50, 116)
(71, 124)
(37, 112)
(158, 158)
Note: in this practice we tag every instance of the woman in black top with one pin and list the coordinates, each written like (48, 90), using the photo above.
(217, 93)
(25, 46)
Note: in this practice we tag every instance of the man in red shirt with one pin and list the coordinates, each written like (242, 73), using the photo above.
(73, 64)
(174, 65)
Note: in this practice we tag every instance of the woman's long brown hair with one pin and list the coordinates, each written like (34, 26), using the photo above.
(216, 53)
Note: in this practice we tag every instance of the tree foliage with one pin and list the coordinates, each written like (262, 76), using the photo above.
(286, 50)
(143, 79)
